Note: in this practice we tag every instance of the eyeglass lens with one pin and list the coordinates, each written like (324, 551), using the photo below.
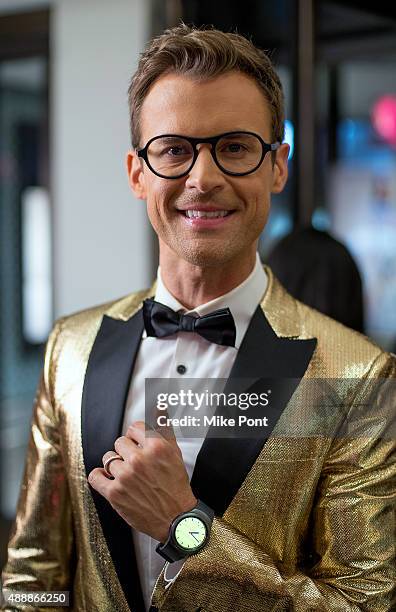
(238, 152)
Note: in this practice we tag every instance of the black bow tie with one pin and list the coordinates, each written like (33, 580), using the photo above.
(161, 321)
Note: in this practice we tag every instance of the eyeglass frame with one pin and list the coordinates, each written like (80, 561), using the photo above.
(213, 140)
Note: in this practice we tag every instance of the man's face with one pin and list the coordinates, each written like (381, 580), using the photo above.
(181, 105)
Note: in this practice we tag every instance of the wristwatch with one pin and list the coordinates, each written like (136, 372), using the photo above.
(188, 533)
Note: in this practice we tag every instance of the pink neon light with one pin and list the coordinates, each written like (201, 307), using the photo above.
(384, 118)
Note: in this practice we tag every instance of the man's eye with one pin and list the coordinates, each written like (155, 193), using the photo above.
(234, 147)
(175, 151)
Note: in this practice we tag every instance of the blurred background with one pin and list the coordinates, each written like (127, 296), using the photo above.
(71, 233)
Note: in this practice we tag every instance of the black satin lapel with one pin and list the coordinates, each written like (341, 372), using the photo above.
(105, 392)
(263, 360)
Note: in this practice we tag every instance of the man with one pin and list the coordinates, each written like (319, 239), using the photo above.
(280, 520)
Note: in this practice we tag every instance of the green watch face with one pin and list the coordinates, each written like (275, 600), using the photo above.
(190, 533)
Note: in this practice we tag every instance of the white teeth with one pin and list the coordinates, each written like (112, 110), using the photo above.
(197, 214)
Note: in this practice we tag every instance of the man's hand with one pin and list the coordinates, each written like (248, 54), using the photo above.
(151, 485)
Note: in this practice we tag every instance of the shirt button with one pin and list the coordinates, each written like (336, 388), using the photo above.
(181, 369)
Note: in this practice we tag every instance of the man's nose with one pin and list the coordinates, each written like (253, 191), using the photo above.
(205, 175)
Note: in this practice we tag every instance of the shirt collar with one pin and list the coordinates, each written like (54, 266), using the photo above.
(242, 300)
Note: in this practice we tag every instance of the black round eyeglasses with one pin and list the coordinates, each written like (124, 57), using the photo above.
(172, 156)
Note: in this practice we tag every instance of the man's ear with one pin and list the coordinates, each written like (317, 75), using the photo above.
(280, 171)
(136, 176)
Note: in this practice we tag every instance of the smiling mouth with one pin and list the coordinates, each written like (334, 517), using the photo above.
(206, 214)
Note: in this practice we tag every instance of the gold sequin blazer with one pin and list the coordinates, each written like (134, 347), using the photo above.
(304, 512)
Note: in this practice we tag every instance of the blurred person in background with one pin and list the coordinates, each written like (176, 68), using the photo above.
(320, 271)
(258, 522)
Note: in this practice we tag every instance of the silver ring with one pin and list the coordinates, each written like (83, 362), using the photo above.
(108, 461)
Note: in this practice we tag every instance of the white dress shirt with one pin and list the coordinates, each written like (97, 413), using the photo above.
(160, 358)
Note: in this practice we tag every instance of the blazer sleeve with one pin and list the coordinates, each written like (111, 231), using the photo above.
(41, 544)
(352, 540)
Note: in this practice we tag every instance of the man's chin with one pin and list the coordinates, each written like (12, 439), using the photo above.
(204, 257)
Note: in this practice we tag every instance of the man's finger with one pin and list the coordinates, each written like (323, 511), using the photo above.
(163, 425)
(137, 432)
(100, 481)
(125, 447)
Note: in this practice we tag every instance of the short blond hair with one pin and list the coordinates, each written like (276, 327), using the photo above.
(203, 53)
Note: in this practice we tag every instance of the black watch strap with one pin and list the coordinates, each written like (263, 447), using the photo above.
(169, 550)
